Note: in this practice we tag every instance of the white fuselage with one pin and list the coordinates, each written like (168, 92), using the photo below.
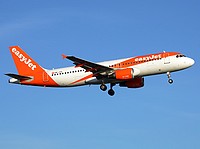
(75, 76)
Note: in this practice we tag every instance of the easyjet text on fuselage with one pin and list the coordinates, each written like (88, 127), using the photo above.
(147, 58)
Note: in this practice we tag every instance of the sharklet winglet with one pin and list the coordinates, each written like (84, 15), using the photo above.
(64, 56)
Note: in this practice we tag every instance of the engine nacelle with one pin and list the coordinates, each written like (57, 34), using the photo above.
(134, 83)
(124, 74)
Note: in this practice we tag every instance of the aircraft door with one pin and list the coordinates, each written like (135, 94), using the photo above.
(166, 58)
(45, 77)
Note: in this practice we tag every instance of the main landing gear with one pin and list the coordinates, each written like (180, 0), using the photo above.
(111, 92)
(169, 78)
(103, 87)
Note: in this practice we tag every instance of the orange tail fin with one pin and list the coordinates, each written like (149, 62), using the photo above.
(26, 66)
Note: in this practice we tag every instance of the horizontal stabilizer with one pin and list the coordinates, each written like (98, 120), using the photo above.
(19, 77)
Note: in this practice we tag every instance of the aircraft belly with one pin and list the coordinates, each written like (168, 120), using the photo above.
(157, 68)
(67, 80)
(93, 80)
(151, 68)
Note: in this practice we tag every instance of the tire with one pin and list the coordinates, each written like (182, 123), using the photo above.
(103, 87)
(170, 81)
(111, 92)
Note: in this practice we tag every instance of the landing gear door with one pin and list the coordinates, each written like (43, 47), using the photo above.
(166, 58)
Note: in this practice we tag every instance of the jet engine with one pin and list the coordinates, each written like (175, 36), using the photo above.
(125, 74)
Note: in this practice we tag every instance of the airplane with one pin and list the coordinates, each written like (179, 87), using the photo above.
(127, 72)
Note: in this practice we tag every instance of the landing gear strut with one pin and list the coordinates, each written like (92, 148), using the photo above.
(111, 92)
(169, 78)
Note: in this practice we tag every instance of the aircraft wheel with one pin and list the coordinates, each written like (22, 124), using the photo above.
(103, 87)
(170, 81)
(111, 92)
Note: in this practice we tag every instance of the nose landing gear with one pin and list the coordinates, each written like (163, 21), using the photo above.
(169, 78)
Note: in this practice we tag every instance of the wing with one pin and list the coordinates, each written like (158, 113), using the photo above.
(96, 69)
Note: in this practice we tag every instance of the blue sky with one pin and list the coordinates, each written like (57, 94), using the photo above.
(156, 116)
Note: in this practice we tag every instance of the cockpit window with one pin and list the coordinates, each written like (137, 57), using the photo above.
(180, 55)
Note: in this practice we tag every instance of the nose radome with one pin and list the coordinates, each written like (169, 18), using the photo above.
(191, 61)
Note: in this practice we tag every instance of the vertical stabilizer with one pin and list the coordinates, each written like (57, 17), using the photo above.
(26, 66)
